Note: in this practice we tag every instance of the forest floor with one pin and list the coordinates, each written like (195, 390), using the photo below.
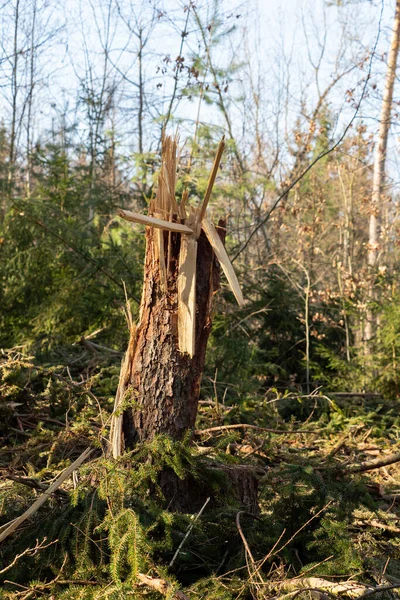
(326, 468)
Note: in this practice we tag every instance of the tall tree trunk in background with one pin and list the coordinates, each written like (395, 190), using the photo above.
(141, 91)
(379, 164)
(14, 94)
(29, 126)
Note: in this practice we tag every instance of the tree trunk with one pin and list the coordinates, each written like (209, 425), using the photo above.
(164, 383)
(159, 386)
(379, 163)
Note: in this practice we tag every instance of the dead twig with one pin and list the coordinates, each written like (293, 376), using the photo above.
(245, 544)
(161, 586)
(275, 551)
(373, 464)
(211, 180)
(29, 552)
(254, 570)
(37, 587)
(188, 532)
(378, 589)
(42, 499)
(254, 427)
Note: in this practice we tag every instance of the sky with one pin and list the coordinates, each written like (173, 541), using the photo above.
(284, 39)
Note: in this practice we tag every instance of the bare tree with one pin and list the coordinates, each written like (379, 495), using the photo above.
(28, 30)
(380, 160)
(14, 88)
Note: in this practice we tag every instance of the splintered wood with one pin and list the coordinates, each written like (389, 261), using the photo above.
(117, 416)
(220, 253)
(169, 217)
(187, 292)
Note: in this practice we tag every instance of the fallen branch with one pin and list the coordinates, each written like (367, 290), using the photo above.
(162, 586)
(377, 524)
(351, 588)
(216, 404)
(338, 446)
(391, 497)
(373, 464)
(188, 532)
(354, 394)
(29, 552)
(20, 432)
(42, 499)
(78, 582)
(254, 427)
(93, 347)
(32, 483)
(380, 588)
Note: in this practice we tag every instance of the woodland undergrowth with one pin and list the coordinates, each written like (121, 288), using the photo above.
(327, 514)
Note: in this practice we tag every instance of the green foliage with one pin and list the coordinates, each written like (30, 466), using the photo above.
(62, 272)
(64, 256)
(114, 528)
(126, 541)
(117, 522)
(332, 538)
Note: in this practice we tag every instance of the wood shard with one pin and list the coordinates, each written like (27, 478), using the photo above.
(187, 295)
(13, 525)
(153, 222)
(182, 205)
(160, 255)
(116, 419)
(220, 252)
(211, 180)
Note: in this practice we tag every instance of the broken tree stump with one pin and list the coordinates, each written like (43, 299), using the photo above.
(160, 378)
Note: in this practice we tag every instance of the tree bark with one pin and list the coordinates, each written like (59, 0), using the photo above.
(164, 383)
(159, 386)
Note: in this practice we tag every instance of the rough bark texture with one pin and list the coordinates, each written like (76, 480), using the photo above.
(164, 384)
